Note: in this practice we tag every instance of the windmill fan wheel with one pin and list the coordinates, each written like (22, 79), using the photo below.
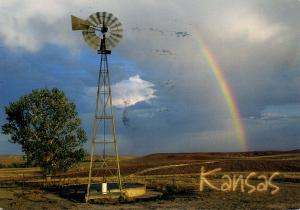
(98, 26)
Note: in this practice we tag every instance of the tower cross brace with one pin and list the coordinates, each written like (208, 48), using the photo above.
(104, 118)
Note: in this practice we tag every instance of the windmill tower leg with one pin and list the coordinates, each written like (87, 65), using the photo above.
(104, 122)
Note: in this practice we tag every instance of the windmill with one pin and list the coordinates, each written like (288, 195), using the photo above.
(102, 31)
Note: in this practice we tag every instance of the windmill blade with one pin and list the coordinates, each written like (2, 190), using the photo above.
(108, 46)
(116, 25)
(93, 18)
(98, 18)
(95, 40)
(114, 39)
(117, 30)
(91, 38)
(109, 19)
(112, 42)
(94, 43)
(78, 23)
(114, 20)
(103, 17)
(91, 22)
(118, 35)
(89, 32)
(109, 43)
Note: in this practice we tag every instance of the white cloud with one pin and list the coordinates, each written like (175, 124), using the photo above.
(285, 111)
(132, 91)
(128, 92)
(30, 24)
(253, 28)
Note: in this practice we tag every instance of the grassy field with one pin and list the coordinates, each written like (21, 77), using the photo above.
(177, 175)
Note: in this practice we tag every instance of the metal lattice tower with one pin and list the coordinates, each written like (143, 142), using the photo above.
(102, 31)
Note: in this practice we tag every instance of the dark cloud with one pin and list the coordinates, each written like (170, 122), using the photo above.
(125, 118)
(163, 52)
(182, 34)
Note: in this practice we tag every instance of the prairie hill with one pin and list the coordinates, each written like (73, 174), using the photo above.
(178, 163)
(188, 163)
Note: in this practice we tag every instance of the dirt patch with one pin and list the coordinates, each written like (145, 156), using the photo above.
(287, 198)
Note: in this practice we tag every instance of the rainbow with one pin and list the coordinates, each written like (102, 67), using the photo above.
(226, 91)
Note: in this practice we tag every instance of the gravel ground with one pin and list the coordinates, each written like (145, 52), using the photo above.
(287, 198)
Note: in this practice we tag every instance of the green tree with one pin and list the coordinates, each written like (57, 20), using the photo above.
(46, 125)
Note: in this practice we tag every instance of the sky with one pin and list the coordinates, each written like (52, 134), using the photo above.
(187, 76)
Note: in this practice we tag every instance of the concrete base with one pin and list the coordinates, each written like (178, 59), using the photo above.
(134, 192)
(129, 191)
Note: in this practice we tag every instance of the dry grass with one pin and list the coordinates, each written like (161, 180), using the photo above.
(10, 159)
(175, 174)
(167, 169)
